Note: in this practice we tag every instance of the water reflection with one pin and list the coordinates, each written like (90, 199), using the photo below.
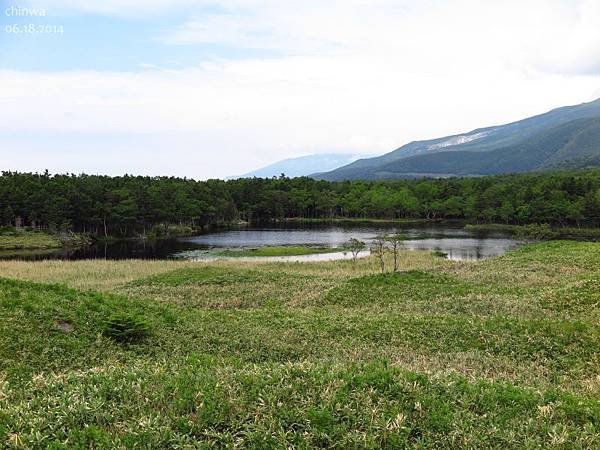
(465, 248)
(456, 242)
(453, 240)
(207, 256)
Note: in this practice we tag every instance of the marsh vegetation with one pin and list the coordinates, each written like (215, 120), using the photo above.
(498, 353)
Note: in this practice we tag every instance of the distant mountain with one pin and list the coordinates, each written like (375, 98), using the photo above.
(567, 137)
(302, 166)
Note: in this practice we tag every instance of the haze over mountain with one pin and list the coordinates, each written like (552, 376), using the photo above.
(567, 137)
(302, 166)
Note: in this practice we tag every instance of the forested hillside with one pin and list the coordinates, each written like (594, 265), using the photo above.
(127, 205)
(567, 137)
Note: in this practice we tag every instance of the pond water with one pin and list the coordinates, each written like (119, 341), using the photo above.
(451, 239)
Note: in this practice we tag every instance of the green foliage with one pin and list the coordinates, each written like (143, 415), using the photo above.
(539, 232)
(126, 328)
(170, 230)
(355, 246)
(536, 231)
(70, 239)
(129, 206)
(32, 335)
(11, 238)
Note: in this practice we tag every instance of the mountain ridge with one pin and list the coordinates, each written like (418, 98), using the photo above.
(431, 156)
(301, 166)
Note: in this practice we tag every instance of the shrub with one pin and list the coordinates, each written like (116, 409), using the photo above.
(538, 232)
(126, 328)
(355, 246)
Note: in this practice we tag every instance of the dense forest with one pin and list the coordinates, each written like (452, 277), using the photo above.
(127, 205)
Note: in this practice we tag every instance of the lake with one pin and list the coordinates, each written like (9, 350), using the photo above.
(451, 239)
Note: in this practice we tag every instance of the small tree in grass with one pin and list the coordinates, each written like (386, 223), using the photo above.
(378, 247)
(355, 246)
(395, 240)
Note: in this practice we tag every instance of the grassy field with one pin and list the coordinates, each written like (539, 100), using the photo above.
(28, 240)
(503, 353)
(284, 250)
(18, 239)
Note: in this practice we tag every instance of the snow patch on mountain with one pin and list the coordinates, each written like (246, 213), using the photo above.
(458, 140)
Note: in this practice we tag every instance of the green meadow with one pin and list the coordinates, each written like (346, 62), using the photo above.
(20, 239)
(501, 353)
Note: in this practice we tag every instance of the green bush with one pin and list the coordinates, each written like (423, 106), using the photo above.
(538, 232)
(126, 328)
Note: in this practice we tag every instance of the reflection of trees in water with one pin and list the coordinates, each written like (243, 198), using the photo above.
(464, 249)
(456, 243)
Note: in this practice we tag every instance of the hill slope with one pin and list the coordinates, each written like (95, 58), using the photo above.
(501, 353)
(564, 137)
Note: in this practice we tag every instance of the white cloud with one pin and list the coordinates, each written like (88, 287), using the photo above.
(252, 112)
(548, 35)
(353, 76)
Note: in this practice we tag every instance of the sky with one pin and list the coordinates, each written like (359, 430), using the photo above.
(207, 89)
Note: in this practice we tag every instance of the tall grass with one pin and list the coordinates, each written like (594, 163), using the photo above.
(502, 353)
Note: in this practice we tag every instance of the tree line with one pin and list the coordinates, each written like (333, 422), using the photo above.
(127, 205)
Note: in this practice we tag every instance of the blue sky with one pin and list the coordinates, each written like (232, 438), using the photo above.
(101, 41)
(212, 88)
